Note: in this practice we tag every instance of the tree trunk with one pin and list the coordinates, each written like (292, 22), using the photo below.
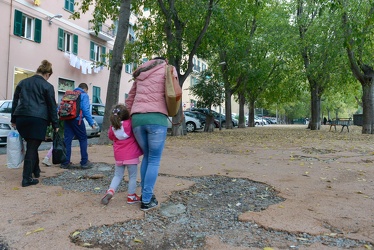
(228, 94)
(368, 108)
(209, 124)
(115, 68)
(251, 114)
(241, 111)
(180, 128)
(315, 122)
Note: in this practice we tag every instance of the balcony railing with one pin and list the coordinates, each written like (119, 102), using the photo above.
(105, 33)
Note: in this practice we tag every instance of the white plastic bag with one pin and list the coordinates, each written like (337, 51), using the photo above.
(15, 150)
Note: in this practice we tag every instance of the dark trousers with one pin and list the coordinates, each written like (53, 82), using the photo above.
(31, 162)
(77, 129)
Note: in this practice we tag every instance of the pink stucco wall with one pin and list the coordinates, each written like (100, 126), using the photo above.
(18, 52)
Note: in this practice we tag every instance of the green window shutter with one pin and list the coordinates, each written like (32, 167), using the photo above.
(72, 5)
(92, 51)
(69, 5)
(103, 52)
(17, 23)
(60, 39)
(75, 44)
(38, 30)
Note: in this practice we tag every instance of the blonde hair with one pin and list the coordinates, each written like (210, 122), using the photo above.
(119, 113)
(45, 68)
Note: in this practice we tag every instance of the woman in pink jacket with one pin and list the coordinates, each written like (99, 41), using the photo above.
(126, 153)
(147, 105)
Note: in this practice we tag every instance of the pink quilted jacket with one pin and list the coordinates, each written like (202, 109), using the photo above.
(147, 93)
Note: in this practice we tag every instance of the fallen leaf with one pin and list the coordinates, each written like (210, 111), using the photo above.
(368, 247)
(35, 231)
(16, 188)
(75, 233)
(87, 244)
(268, 248)
(301, 239)
(137, 240)
(97, 188)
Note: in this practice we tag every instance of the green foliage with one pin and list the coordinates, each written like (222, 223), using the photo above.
(208, 90)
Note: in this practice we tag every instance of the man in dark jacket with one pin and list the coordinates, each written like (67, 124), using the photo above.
(76, 128)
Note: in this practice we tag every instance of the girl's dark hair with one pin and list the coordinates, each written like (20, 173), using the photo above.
(119, 114)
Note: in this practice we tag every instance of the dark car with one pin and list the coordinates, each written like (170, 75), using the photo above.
(201, 117)
(216, 116)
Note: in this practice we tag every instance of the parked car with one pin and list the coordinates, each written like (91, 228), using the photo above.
(5, 128)
(216, 116)
(192, 124)
(92, 132)
(6, 108)
(201, 117)
(97, 112)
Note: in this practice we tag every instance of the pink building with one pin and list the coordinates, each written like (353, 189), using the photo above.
(42, 29)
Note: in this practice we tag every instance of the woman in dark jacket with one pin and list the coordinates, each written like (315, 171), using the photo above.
(34, 109)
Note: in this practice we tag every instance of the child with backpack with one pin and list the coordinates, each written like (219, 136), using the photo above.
(126, 153)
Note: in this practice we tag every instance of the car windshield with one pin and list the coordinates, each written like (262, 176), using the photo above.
(6, 107)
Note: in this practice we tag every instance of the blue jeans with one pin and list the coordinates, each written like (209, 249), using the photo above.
(74, 128)
(151, 139)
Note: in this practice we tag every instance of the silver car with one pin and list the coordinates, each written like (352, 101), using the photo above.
(92, 132)
(192, 124)
(5, 128)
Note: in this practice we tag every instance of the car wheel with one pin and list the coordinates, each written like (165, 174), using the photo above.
(203, 125)
(190, 127)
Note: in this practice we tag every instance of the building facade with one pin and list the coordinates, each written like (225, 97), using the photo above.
(35, 30)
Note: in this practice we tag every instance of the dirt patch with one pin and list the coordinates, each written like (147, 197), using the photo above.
(316, 189)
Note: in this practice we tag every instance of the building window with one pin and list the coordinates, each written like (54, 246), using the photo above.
(203, 65)
(115, 28)
(193, 81)
(64, 85)
(67, 42)
(193, 103)
(129, 67)
(97, 52)
(27, 27)
(131, 34)
(194, 64)
(69, 5)
(96, 94)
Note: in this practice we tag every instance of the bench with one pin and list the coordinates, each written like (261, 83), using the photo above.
(344, 122)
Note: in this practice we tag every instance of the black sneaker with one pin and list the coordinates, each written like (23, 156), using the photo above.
(66, 166)
(152, 204)
(88, 165)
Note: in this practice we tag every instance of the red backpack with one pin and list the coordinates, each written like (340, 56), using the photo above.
(70, 106)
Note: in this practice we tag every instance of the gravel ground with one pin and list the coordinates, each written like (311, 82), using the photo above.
(210, 208)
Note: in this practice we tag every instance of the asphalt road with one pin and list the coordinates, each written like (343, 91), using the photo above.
(47, 145)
